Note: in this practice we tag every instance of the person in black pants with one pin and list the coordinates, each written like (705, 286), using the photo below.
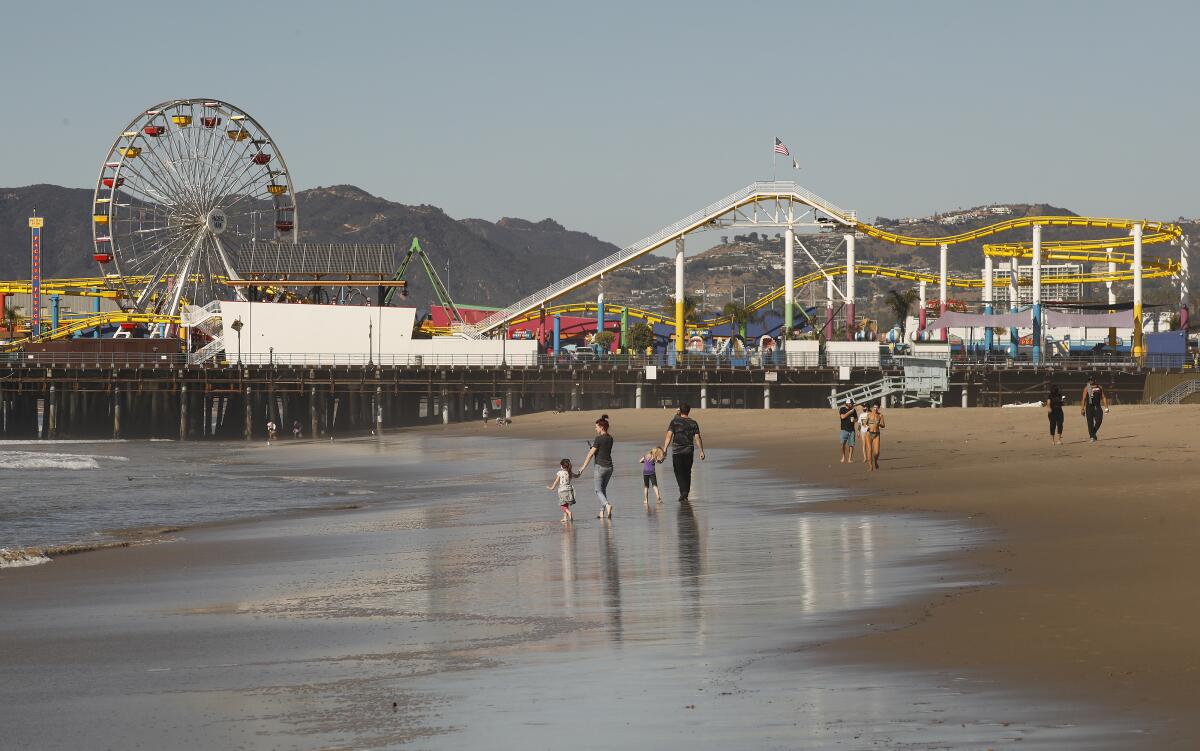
(1093, 407)
(684, 435)
(1054, 410)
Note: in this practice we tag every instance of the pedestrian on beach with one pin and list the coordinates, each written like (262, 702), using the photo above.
(1054, 410)
(1093, 407)
(485, 416)
(272, 429)
(683, 438)
(601, 452)
(863, 414)
(650, 460)
(875, 425)
(848, 415)
(566, 490)
(296, 429)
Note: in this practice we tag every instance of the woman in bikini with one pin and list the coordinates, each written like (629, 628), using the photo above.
(875, 424)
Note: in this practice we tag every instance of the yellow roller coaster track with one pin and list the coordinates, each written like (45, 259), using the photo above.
(590, 308)
(101, 319)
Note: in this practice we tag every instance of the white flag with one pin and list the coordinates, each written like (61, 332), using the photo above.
(795, 164)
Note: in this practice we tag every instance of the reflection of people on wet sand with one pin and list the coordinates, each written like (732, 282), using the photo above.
(601, 451)
(612, 581)
(683, 437)
(689, 553)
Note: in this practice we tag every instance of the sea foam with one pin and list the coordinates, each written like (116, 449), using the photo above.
(46, 460)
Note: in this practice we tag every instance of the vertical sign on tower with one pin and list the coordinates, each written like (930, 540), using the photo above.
(35, 276)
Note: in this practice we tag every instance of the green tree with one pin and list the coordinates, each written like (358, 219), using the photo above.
(641, 336)
(605, 340)
(691, 309)
(900, 303)
(13, 318)
(739, 316)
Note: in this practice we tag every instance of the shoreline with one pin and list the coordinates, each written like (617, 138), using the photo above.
(1087, 546)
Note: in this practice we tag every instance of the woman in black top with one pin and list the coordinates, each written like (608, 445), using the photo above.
(1054, 410)
(601, 451)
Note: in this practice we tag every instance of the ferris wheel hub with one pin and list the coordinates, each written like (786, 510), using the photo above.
(216, 221)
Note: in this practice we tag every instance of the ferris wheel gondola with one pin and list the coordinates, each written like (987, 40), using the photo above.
(183, 188)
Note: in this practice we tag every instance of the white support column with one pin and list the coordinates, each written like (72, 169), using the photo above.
(1184, 278)
(679, 332)
(1112, 295)
(637, 397)
(828, 308)
(850, 291)
(1139, 348)
(988, 298)
(1037, 293)
(942, 286)
(767, 396)
(789, 280)
(703, 395)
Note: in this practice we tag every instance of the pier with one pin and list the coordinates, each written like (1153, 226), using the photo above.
(162, 396)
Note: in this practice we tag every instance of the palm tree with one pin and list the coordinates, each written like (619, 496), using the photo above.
(12, 319)
(900, 303)
(739, 316)
(691, 308)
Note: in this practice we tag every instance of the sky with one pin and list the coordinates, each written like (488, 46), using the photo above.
(619, 118)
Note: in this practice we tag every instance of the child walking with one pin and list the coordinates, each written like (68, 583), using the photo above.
(566, 491)
(650, 474)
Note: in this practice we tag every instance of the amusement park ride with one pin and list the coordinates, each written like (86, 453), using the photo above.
(190, 185)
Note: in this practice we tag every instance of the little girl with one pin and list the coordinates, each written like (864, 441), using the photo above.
(650, 474)
(566, 492)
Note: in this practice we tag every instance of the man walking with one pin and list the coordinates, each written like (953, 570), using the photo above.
(848, 415)
(1090, 407)
(684, 435)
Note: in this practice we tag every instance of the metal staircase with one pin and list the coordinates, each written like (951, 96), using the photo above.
(1180, 391)
(925, 381)
(782, 190)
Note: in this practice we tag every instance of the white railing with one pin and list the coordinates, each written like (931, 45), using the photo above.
(1179, 392)
(650, 243)
(208, 351)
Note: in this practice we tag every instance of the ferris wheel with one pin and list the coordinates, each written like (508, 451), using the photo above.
(184, 187)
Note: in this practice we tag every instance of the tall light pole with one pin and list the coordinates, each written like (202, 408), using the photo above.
(237, 327)
(370, 342)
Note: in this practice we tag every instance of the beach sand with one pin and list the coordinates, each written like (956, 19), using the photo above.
(1093, 555)
(1046, 598)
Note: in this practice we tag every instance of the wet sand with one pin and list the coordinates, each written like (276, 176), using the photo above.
(1091, 552)
(454, 611)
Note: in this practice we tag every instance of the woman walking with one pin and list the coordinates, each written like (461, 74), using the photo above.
(1054, 410)
(601, 452)
(875, 424)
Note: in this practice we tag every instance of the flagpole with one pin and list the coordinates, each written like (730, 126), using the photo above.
(774, 159)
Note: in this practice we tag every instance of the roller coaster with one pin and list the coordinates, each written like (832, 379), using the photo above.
(787, 205)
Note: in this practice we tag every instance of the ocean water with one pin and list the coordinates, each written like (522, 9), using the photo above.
(451, 610)
(63, 496)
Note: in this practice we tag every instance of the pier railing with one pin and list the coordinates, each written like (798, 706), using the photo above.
(587, 359)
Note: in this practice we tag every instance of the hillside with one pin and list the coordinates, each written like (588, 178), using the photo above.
(489, 262)
(493, 263)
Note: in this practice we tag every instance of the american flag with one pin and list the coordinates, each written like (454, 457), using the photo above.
(781, 149)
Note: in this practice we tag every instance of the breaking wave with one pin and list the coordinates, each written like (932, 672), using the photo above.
(45, 460)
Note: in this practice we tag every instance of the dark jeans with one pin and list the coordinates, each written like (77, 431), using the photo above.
(1056, 421)
(681, 461)
(1094, 418)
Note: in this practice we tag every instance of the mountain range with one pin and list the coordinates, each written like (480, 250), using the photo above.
(494, 263)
